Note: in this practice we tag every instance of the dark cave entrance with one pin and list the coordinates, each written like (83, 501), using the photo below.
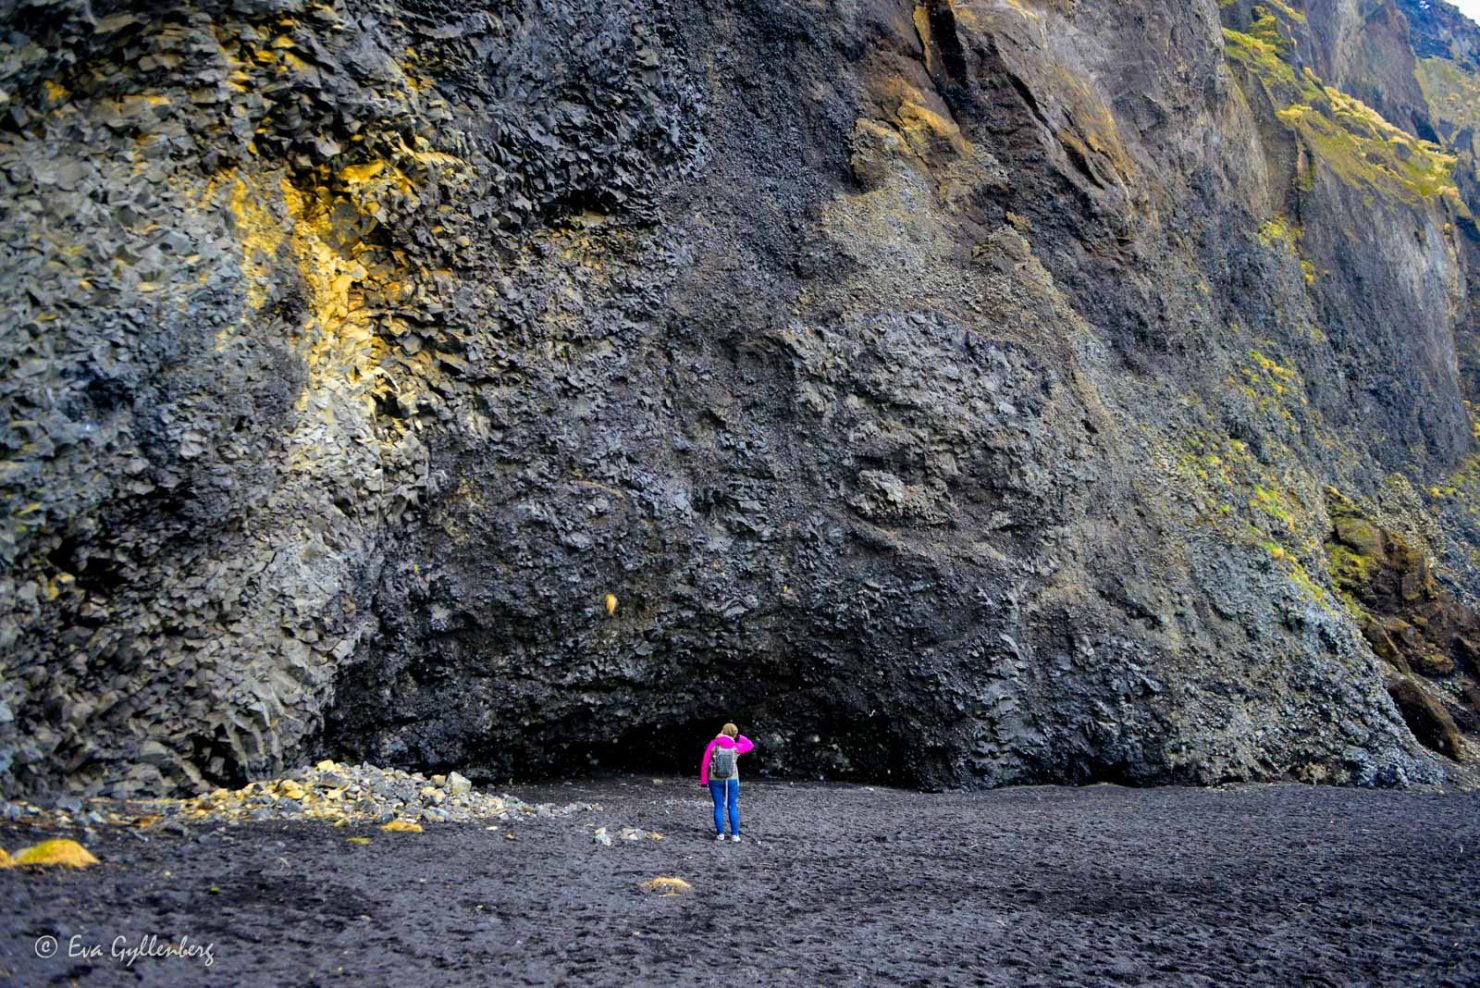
(800, 736)
(426, 718)
(669, 749)
(810, 739)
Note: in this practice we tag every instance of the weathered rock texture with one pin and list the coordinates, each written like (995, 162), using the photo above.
(948, 391)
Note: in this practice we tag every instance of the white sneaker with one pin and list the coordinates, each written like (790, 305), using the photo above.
(720, 838)
(735, 839)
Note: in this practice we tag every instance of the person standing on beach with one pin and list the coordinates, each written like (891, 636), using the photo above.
(720, 771)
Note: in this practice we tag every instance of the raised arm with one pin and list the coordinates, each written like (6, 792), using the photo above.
(742, 745)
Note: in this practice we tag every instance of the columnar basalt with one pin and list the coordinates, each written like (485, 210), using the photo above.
(961, 392)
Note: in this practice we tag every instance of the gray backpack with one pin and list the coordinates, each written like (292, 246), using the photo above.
(722, 763)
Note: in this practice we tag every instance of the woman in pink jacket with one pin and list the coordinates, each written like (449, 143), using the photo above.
(720, 771)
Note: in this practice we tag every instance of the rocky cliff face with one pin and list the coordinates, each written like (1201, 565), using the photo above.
(956, 393)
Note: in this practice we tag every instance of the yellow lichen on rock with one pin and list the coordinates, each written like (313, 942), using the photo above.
(925, 129)
(1280, 231)
(667, 885)
(342, 345)
(402, 827)
(52, 853)
(321, 224)
(361, 173)
(260, 233)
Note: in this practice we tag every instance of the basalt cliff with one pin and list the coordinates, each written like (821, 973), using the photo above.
(954, 393)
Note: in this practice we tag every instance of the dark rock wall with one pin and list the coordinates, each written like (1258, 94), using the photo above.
(950, 392)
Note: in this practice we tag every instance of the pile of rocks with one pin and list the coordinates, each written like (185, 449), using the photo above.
(329, 791)
(345, 794)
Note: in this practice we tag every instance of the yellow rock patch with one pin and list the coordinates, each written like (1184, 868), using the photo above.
(65, 853)
(402, 827)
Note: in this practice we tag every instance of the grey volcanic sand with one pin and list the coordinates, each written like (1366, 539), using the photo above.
(1280, 884)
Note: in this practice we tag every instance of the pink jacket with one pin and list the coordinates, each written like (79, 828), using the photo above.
(742, 744)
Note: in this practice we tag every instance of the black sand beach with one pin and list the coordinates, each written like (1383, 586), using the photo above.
(833, 884)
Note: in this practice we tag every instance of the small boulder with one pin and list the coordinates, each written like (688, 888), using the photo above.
(1425, 717)
(1432, 662)
(402, 827)
(152, 752)
(62, 853)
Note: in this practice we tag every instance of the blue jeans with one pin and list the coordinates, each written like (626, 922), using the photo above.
(726, 790)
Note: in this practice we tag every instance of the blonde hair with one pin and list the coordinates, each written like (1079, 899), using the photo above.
(729, 730)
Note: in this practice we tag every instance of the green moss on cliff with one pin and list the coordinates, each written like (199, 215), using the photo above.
(1462, 486)
(1364, 150)
(1353, 141)
(1273, 388)
(1350, 568)
(1266, 29)
(1253, 504)
(1274, 504)
(1411, 620)
(1452, 93)
(1262, 57)
(1280, 231)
